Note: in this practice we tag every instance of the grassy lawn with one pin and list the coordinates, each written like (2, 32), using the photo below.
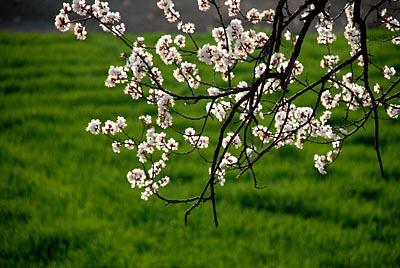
(65, 200)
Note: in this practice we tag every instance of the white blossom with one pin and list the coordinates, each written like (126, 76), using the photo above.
(146, 119)
(62, 21)
(325, 29)
(180, 40)
(329, 101)
(388, 72)
(396, 40)
(287, 35)
(329, 61)
(262, 133)
(233, 139)
(260, 69)
(234, 29)
(187, 72)
(393, 111)
(110, 127)
(120, 123)
(377, 88)
(391, 23)
(80, 31)
(203, 5)
(254, 16)
(233, 7)
(187, 27)
(196, 140)
(212, 91)
(268, 15)
(129, 144)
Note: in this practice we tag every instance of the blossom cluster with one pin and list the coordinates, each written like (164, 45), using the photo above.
(264, 111)
(187, 72)
(173, 16)
(138, 179)
(351, 32)
(255, 16)
(228, 161)
(321, 162)
(233, 7)
(154, 142)
(233, 44)
(325, 29)
(390, 22)
(170, 55)
(109, 127)
(197, 141)
(109, 21)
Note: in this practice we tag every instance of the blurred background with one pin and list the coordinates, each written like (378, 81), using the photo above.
(138, 15)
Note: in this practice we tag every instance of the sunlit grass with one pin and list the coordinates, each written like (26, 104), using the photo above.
(65, 199)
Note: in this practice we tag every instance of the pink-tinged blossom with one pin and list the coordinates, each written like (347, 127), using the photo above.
(116, 146)
(94, 127)
(109, 128)
(116, 75)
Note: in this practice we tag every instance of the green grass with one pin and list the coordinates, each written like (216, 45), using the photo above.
(65, 200)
